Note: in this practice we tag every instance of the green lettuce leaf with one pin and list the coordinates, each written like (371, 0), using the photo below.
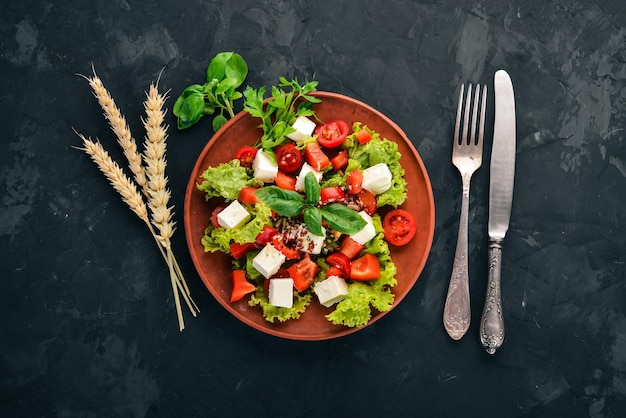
(226, 180)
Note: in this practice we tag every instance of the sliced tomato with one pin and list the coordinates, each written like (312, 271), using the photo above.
(340, 161)
(303, 272)
(279, 243)
(399, 226)
(333, 133)
(363, 136)
(285, 181)
(288, 157)
(331, 194)
(355, 181)
(366, 267)
(246, 155)
(340, 261)
(238, 250)
(247, 196)
(266, 234)
(334, 271)
(241, 285)
(366, 201)
(214, 214)
(350, 247)
(314, 155)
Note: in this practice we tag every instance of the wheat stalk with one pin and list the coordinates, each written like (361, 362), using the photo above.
(120, 128)
(151, 179)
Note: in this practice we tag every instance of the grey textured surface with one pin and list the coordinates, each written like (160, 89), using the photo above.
(88, 326)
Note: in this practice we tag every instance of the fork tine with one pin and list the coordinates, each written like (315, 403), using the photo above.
(458, 116)
(474, 116)
(468, 102)
(481, 129)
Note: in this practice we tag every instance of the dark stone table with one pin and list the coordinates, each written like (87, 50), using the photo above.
(88, 325)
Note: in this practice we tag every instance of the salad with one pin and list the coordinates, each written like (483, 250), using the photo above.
(307, 213)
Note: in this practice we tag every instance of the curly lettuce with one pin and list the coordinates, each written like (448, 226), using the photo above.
(226, 180)
(219, 239)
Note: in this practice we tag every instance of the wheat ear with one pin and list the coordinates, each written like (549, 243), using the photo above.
(158, 194)
(120, 128)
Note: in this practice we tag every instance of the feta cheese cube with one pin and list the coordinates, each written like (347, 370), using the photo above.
(331, 290)
(377, 178)
(306, 168)
(268, 261)
(233, 215)
(281, 292)
(265, 168)
(367, 233)
(304, 128)
(309, 242)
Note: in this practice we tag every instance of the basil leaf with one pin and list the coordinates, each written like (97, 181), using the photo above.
(284, 202)
(217, 66)
(190, 109)
(342, 219)
(236, 68)
(219, 121)
(313, 220)
(311, 189)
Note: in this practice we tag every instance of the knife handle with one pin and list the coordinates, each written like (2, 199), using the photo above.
(456, 312)
(492, 320)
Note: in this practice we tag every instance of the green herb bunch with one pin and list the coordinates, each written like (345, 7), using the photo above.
(281, 109)
(226, 72)
(291, 203)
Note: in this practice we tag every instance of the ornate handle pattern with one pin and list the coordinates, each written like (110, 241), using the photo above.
(492, 321)
(456, 312)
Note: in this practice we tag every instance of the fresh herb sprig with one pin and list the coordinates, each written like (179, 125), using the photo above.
(281, 109)
(291, 203)
(225, 73)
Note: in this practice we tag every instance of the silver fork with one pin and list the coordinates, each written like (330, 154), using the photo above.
(467, 157)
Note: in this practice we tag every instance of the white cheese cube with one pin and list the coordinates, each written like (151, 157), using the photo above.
(377, 178)
(268, 261)
(306, 168)
(264, 166)
(309, 242)
(281, 293)
(367, 233)
(331, 290)
(304, 128)
(233, 215)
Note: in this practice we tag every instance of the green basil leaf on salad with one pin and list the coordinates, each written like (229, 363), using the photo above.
(312, 189)
(313, 221)
(284, 202)
(341, 218)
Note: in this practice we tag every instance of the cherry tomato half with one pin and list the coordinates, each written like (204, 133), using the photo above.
(366, 201)
(288, 157)
(399, 226)
(340, 261)
(333, 133)
(246, 155)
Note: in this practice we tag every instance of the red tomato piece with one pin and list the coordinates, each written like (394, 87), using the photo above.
(340, 261)
(315, 156)
(340, 161)
(288, 157)
(303, 272)
(247, 196)
(363, 136)
(355, 181)
(334, 271)
(246, 155)
(399, 226)
(285, 181)
(266, 234)
(279, 243)
(366, 267)
(366, 201)
(350, 247)
(238, 250)
(241, 285)
(214, 214)
(333, 133)
(331, 194)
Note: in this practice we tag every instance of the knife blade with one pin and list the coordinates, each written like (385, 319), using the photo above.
(502, 173)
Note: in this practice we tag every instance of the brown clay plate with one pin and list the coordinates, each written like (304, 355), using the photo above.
(215, 268)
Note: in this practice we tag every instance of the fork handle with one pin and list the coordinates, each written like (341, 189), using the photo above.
(492, 321)
(456, 312)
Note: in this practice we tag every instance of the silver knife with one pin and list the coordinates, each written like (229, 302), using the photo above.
(502, 173)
